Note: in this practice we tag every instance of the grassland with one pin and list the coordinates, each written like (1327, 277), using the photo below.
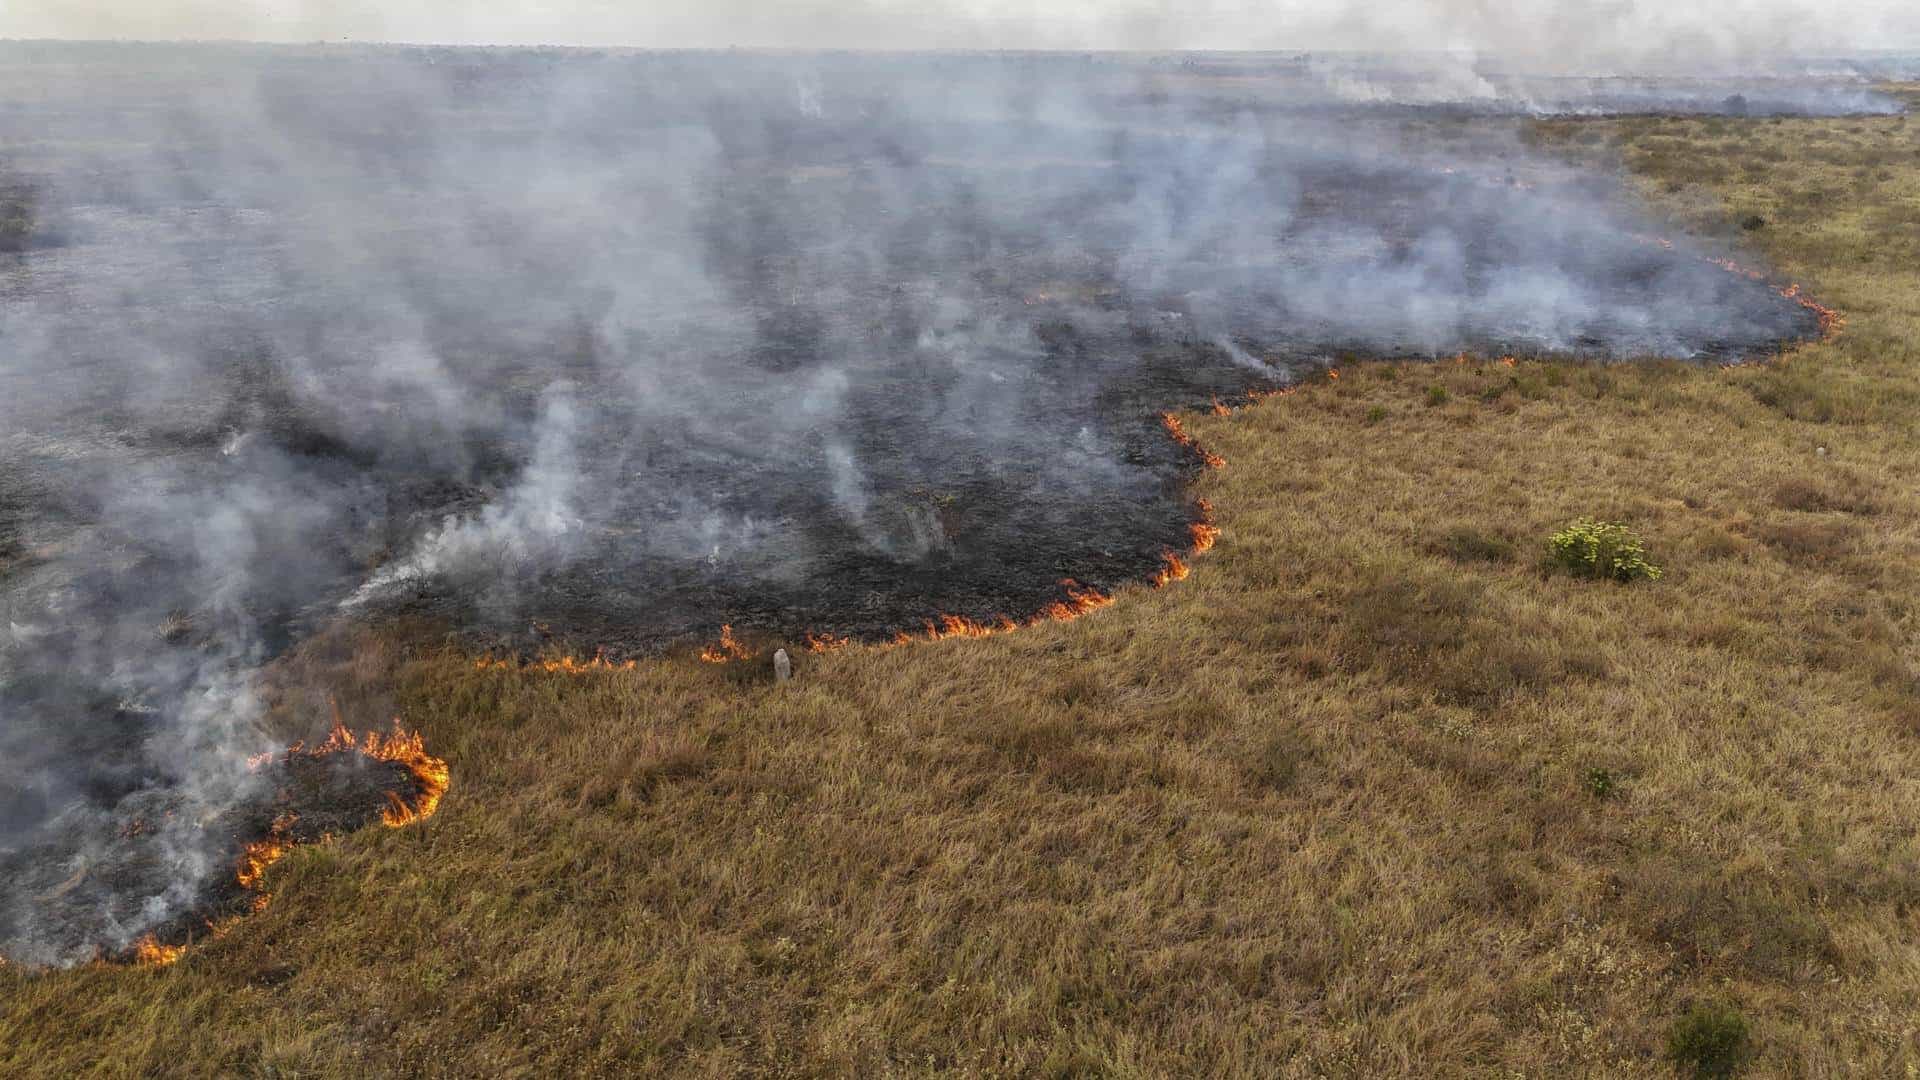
(1369, 794)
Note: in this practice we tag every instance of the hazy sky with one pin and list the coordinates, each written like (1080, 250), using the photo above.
(1595, 31)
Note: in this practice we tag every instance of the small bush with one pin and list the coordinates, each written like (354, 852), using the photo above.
(1437, 396)
(1376, 414)
(1466, 544)
(1276, 765)
(1601, 549)
(1600, 783)
(1710, 1040)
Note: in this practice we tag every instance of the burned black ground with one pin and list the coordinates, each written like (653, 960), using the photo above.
(603, 356)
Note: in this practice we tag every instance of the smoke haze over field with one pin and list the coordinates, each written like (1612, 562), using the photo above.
(606, 350)
(1615, 35)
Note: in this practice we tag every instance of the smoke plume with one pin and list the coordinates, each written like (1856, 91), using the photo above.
(601, 349)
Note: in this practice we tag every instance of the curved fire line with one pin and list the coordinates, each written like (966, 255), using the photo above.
(429, 776)
(1078, 599)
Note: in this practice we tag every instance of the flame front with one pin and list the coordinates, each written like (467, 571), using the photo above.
(430, 774)
(1079, 601)
(726, 649)
(1179, 432)
(565, 665)
(261, 854)
(826, 643)
(1832, 322)
(1172, 569)
(148, 952)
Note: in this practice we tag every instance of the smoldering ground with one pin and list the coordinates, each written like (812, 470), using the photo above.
(579, 350)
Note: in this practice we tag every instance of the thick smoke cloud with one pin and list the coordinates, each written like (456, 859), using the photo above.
(604, 349)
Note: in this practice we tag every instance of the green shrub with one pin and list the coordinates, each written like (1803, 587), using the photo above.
(1601, 549)
(1376, 414)
(1600, 783)
(1437, 396)
(1710, 1040)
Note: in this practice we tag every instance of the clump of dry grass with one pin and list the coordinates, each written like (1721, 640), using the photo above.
(1326, 807)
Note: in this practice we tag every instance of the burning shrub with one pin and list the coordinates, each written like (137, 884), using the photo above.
(1710, 1040)
(1601, 549)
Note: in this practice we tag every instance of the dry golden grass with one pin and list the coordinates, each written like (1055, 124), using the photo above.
(1369, 794)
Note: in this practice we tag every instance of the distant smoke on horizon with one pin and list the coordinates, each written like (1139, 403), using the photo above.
(1558, 36)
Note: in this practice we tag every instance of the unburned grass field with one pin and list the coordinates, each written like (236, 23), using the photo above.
(1370, 793)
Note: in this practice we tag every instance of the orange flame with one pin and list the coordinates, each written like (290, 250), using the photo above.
(1080, 601)
(1179, 432)
(148, 952)
(724, 650)
(431, 778)
(1832, 322)
(1171, 571)
(430, 774)
(826, 643)
(565, 665)
(261, 854)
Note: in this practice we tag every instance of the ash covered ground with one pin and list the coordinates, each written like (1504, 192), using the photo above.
(602, 351)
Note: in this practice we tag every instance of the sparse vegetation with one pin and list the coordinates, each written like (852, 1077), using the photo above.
(1710, 1040)
(1468, 544)
(1087, 848)
(1601, 783)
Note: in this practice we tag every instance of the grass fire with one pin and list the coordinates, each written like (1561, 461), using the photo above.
(1180, 562)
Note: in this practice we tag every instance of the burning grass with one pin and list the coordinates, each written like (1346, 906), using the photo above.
(1331, 803)
(1076, 599)
(314, 794)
